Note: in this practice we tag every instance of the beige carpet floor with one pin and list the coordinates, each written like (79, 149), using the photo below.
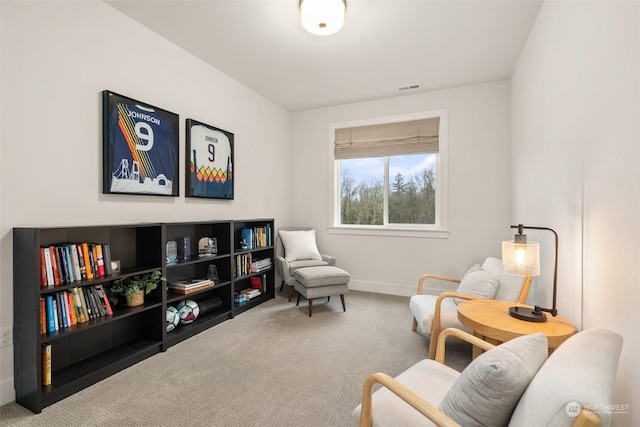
(270, 366)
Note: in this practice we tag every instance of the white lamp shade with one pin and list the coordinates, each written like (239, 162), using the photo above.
(522, 259)
(322, 17)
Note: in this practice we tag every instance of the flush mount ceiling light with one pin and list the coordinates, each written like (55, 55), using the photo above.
(322, 17)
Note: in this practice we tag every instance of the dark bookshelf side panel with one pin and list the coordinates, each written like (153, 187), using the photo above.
(26, 317)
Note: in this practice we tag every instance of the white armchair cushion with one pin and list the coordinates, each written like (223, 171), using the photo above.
(424, 306)
(482, 284)
(581, 370)
(509, 285)
(300, 245)
(489, 388)
(427, 378)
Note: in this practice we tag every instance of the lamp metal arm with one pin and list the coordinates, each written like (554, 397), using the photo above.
(553, 310)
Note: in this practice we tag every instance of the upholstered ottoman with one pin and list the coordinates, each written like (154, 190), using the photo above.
(321, 281)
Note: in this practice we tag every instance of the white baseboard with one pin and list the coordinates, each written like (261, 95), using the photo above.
(391, 288)
(7, 393)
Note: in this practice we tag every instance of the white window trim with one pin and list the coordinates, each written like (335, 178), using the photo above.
(437, 230)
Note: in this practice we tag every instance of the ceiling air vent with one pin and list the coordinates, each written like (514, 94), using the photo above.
(409, 87)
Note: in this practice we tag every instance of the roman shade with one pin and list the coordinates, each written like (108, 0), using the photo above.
(390, 139)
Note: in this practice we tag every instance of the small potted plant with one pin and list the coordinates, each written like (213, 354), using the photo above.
(134, 288)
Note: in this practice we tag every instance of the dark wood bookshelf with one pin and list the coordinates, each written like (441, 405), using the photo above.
(85, 353)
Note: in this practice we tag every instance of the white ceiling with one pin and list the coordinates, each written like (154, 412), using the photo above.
(385, 44)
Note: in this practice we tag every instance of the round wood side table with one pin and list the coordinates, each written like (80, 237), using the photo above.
(490, 320)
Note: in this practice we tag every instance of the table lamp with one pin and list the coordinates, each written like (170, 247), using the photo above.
(522, 258)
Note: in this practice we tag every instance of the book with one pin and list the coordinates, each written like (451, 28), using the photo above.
(105, 299)
(49, 267)
(76, 262)
(87, 302)
(100, 260)
(98, 302)
(63, 265)
(77, 305)
(81, 262)
(43, 270)
(43, 316)
(93, 256)
(189, 283)
(55, 262)
(256, 282)
(190, 290)
(92, 302)
(83, 304)
(51, 325)
(251, 293)
(56, 318)
(106, 254)
(87, 261)
(46, 364)
(72, 308)
(246, 238)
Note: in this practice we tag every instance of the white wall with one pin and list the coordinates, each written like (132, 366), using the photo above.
(576, 131)
(478, 187)
(56, 59)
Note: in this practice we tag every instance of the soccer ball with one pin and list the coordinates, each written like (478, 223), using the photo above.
(173, 318)
(188, 310)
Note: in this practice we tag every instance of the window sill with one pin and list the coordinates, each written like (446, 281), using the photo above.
(389, 232)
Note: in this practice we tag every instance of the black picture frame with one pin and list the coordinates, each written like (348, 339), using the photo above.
(140, 147)
(209, 161)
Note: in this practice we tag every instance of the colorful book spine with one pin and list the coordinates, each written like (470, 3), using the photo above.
(87, 260)
(51, 324)
(43, 316)
(46, 364)
(81, 262)
(55, 262)
(43, 270)
(49, 267)
(100, 260)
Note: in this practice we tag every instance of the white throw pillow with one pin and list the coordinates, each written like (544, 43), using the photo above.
(299, 245)
(478, 283)
(476, 267)
(488, 390)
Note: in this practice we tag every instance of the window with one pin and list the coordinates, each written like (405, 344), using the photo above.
(390, 173)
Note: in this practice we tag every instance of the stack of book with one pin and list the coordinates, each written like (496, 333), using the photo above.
(256, 237)
(64, 309)
(67, 263)
(251, 293)
(260, 265)
(185, 287)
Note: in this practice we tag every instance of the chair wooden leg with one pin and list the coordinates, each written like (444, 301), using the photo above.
(344, 307)
(290, 293)
(414, 325)
(433, 342)
(329, 298)
(297, 302)
(281, 286)
(310, 306)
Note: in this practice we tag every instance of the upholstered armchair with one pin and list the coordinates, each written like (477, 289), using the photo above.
(514, 383)
(296, 248)
(433, 313)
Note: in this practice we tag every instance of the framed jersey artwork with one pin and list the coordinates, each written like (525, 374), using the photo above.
(140, 147)
(209, 161)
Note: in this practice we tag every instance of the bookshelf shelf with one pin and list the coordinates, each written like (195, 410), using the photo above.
(84, 353)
